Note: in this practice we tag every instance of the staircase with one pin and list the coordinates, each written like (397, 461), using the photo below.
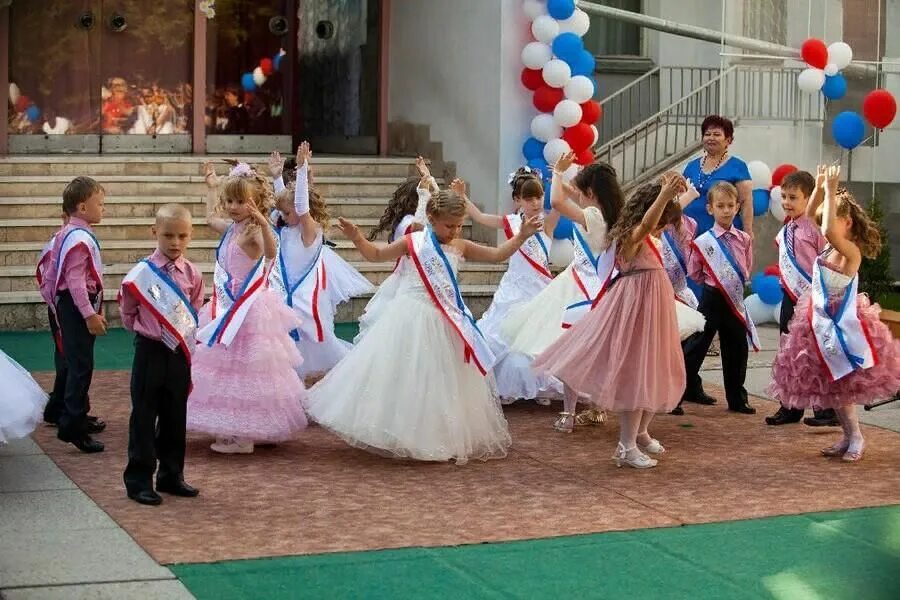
(31, 187)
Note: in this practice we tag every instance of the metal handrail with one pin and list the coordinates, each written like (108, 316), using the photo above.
(636, 82)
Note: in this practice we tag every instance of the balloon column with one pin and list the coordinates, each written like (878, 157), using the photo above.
(258, 76)
(767, 187)
(559, 72)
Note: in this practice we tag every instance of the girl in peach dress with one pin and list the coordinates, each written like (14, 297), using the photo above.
(626, 353)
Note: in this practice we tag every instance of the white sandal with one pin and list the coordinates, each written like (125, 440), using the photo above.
(641, 461)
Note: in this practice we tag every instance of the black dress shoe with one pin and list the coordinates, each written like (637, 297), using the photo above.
(177, 488)
(148, 497)
(95, 424)
(678, 411)
(744, 409)
(822, 421)
(785, 416)
(701, 398)
(86, 444)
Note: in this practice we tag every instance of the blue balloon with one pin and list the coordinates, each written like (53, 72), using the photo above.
(540, 164)
(767, 287)
(760, 202)
(561, 9)
(563, 229)
(835, 87)
(33, 113)
(533, 148)
(848, 129)
(583, 64)
(547, 195)
(247, 82)
(276, 61)
(567, 46)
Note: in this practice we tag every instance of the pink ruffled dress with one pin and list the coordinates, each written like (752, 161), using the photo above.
(249, 389)
(626, 353)
(800, 378)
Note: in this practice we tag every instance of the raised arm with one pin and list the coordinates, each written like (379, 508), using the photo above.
(818, 194)
(215, 222)
(370, 251)
(269, 243)
(559, 194)
(276, 170)
(848, 249)
(689, 195)
(301, 195)
(477, 252)
(495, 221)
(672, 185)
(745, 197)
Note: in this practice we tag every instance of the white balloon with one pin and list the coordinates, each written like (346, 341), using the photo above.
(570, 173)
(776, 312)
(536, 54)
(534, 8)
(775, 203)
(545, 28)
(760, 174)
(578, 23)
(544, 127)
(14, 93)
(259, 77)
(596, 135)
(567, 113)
(811, 80)
(758, 310)
(840, 54)
(561, 252)
(831, 69)
(580, 89)
(557, 73)
(554, 149)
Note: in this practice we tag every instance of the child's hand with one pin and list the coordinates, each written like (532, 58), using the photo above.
(690, 194)
(564, 162)
(276, 164)
(209, 174)
(422, 167)
(303, 153)
(672, 184)
(458, 186)
(820, 176)
(256, 216)
(96, 324)
(531, 226)
(349, 229)
(832, 178)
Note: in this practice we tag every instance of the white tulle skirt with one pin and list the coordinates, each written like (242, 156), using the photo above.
(690, 321)
(382, 298)
(21, 401)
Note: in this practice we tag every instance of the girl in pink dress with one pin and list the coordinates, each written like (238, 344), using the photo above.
(626, 353)
(838, 353)
(246, 388)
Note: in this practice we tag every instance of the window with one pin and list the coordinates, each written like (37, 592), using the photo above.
(611, 37)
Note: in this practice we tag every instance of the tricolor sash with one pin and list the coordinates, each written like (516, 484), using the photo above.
(592, 276)
(302, 295)
(842, 339)
(675, 265)
(729, 279)
(533, 250)
(439, 279)
(228, 311)
(74, 238)
(161, 295)
(794, 279)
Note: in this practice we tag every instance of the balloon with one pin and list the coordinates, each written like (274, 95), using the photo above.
(591, 112)
(540, 164)
(831, 70)
(533, 148)
(33, 113)
(580, 89)
(848, 129)
(811, 80)
(585, 157)
(561, 9)
(14, 93)
(544, 127)
(276, 61)
(767, 287)
(544, 29)
(579, 136)
(760, 174)
(534, 8)
(247, 82)
(561, 250)
(815, 53)
(546, 98)
(536, 54)
(563, 229)
(266, 66)
(258, 77)
(880, 108)
(775, 203)
(840, 54)
(758, 310)
(835, 87)
(773, 270)
(567, 113)
(554, 149)
(780, 172)
(594, 132)
(760, 202)
(776, 313)
(578, 23)
(532, 78)
(557, 73)
(584, 64)
(567, 46)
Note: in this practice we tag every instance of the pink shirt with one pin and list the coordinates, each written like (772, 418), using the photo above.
(808, 242)
(738, 243)
(684, 235)
(77, 275)
(139, 319)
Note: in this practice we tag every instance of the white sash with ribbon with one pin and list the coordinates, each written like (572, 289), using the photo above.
(302, 294)
(159, 294)
(592, 276)
(534, 251)
(81, 237)
(842, 339)
(793, 278)
(728, 278)
(675, 265)
(439, 279)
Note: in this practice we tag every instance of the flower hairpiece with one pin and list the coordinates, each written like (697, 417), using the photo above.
(518, 172)
(241, 169)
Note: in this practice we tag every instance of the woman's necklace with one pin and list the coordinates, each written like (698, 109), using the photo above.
(703, 177)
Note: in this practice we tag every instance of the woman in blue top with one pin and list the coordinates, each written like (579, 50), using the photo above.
(717, 165)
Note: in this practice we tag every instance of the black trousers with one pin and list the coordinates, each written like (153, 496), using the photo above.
(160, 382)
(77, 364)
(54, 406)
(732, 342)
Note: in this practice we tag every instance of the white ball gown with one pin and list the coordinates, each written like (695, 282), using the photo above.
(21, 403)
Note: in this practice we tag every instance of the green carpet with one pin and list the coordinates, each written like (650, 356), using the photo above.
(34, 349)
(851, 555)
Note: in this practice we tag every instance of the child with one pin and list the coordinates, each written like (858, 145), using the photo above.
(310, 277)
(531, 328)
(675, 248)
(22, 402)
(626, 354)
(245, 386)
(415, 385)
(721, 258)
(799, 243)
(838, 353)
(528, 274)
(72, 286)
(158, 302)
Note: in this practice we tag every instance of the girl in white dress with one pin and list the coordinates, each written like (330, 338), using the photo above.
(21, 403)
(415, 385)
(527, 275)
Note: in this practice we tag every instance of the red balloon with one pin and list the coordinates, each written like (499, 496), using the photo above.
(780, 172)
(815, 53)
(880, 108)
(266, 66)
(591, 112)
(546, 98)
(586, 156)
(532, 78)
(772, 269)
(579, 136)
(22, 103)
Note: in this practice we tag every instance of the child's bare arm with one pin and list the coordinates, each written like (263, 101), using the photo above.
(215, 222)
(477, 252)
(370, 251)
(495, 221)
